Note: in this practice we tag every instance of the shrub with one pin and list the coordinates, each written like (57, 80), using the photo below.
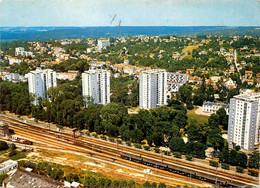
(128, 143)
(13, 146)
(138, 146)
(157, 150)
(146, 147)
(2, 177)
(3, 146)
(12, 153)
(119, 141)
(87, 133)
(213, 163)
(225, 166)
(253, 173)
(188, 157)
(18, 155)
(177, 154)
(111, 139)
(103, 137)
(95, 135)
(240, 169)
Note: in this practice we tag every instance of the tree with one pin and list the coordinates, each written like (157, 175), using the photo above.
(254, 158)
(146, 185)
(13, 146)
(131, 184)
(176, 144)
(161, 185)
(154, 185)
(114, 184)
(223, 118)
(241, 159)
(3, 146)
(186, 94)
(180, 119)
(137, 135)
(215, 139)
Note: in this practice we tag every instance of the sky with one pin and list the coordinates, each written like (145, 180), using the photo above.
(129, 12)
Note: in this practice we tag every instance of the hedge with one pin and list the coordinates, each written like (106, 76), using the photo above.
(177, 154)
(213, 163)
(188, 157)
(253, 173)
(225, 166)
(240, 169)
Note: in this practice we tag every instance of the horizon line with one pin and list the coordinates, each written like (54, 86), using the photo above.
(141, 26)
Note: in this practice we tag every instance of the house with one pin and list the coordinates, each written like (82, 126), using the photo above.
(89, 50)
(232, 67)
(212, 107)
(249, 81)
(13, 60)
(151, 55)
(189, 71)
(248, 74)
(229, 60)
(59, 59)
(126, 62)
(176, 56)
(62, 75)
(230, 84)
(72, 74)
(195, 79)
(66, 56)
(8, 165)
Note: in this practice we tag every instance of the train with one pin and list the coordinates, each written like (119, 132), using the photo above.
(173, 169)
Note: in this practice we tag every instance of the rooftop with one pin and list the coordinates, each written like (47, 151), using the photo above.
(8, 163)
(22, 178)
(248, 96)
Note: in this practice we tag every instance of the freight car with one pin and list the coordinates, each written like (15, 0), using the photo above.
(171, 168)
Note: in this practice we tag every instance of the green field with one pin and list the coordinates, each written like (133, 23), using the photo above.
(195, 117)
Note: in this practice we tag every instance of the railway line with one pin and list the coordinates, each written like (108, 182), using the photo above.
(115, 151)
(38, 135)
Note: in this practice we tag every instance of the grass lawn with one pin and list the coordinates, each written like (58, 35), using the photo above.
(189, 49)
(195, 117)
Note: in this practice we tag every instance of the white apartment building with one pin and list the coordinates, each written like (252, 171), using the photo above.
(20, 51)
(244, 120)
(102, 43)
(174, 81)
(96, 86)
(152, 88)
(40, 81)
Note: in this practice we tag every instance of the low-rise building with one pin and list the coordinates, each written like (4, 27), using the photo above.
(8, 165)
(23, 178)
(62, 75)
(212, 107)
(72, 74)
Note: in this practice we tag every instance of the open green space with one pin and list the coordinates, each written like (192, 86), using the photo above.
(192, 116)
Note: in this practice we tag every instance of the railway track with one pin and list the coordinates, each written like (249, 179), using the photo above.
(58, 142)
(116, 150)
